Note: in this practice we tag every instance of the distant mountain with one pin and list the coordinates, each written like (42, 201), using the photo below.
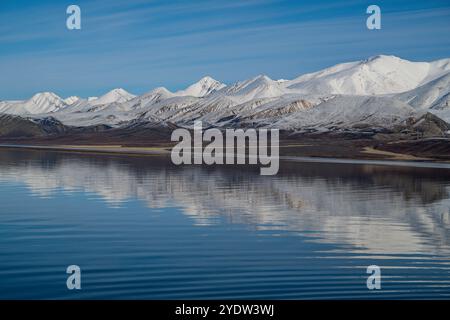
(71, 100)
(40, 103)
(374, 76)
(116, 95)
(259, 87)
(156, 95)
(203, 87)
(378, 93)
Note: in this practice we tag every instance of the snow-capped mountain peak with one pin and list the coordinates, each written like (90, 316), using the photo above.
(156, 95)
(380, 74)
(202, 88)
(42, 96)
(381, 57)
(256, 88)
(43, 102)
(71, 100)
(160, 90)
(40, 103)
(118, 95)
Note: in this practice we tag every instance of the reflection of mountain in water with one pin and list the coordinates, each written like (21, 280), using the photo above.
(378, 209)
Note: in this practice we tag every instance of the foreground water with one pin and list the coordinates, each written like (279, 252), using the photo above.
(141, 228)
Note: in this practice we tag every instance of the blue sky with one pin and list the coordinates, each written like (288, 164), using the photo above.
(142, 44)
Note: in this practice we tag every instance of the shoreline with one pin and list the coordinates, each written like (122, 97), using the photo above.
(97, 149)
(379, 157)
(398, 163)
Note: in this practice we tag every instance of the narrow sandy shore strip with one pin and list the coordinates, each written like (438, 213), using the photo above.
(393, 155)
(97, 149)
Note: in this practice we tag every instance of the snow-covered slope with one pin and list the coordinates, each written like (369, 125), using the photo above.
(259, 87)
(432, 95)
(203, 87)
(154, 96)
(44, 102)
(71, 100)
(374, 76)
(11, 107)
(116, 95)
(358, 112)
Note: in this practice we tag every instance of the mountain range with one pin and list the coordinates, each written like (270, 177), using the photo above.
(378, 93)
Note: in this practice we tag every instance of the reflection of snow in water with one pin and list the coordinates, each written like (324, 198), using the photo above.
(376, 209)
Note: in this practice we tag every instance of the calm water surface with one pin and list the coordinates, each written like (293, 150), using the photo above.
(141, 228)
